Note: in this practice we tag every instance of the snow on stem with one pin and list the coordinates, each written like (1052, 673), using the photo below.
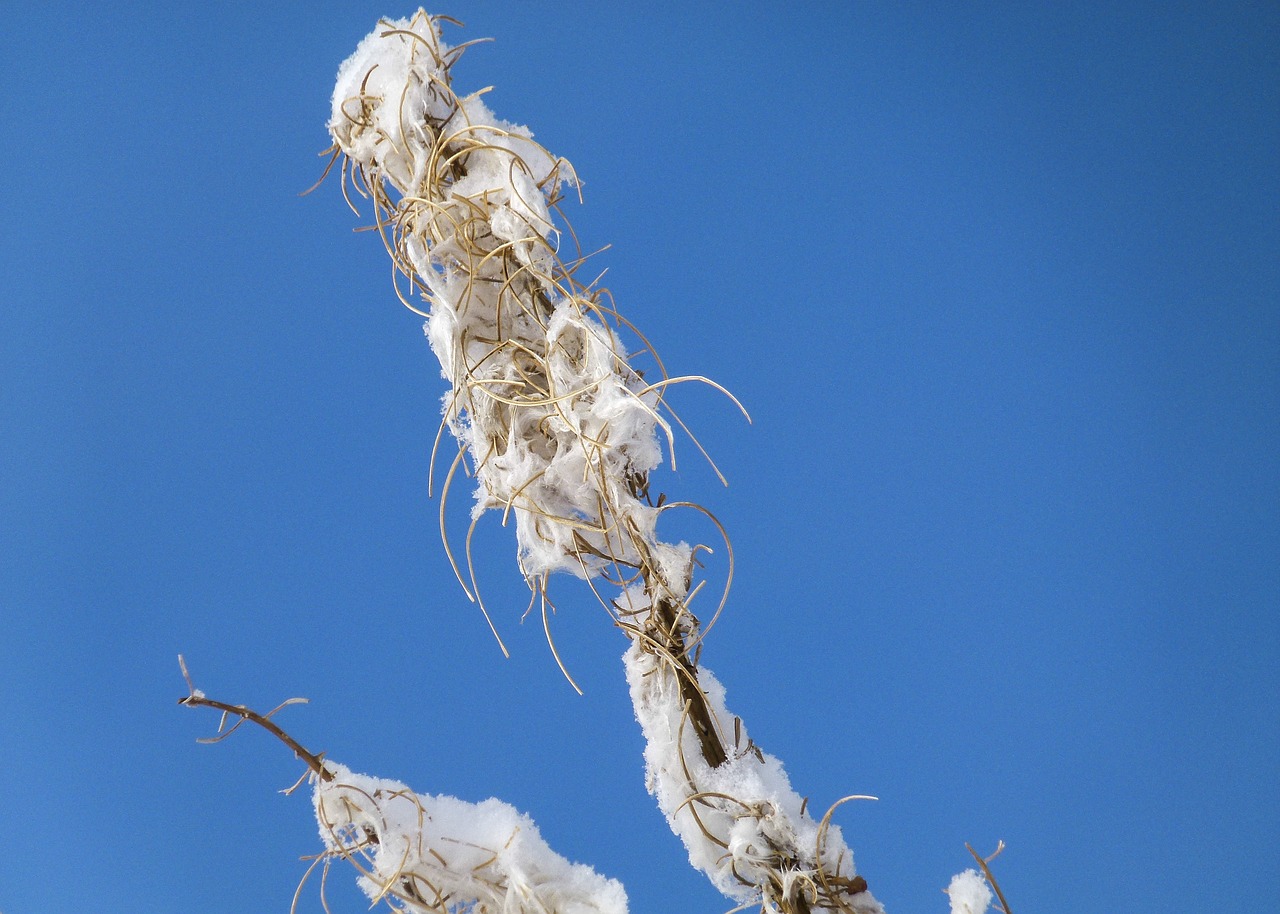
(562, 431)
(423, 853)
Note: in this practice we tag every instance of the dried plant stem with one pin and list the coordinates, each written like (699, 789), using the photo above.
(984, 863)
(669, 634)
(561, 430)
(196, 699)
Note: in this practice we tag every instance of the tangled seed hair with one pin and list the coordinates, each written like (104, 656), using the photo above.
(561, 429)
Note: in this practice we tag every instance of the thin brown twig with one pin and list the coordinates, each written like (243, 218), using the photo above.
(197, 699)
(986, 871)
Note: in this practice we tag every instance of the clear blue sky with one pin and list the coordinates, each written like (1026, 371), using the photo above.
(1015, 568)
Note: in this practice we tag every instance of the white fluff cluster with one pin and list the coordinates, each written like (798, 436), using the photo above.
(739, 819)
(542, 397)
(442, 855)
(393, 109)
(969, 893)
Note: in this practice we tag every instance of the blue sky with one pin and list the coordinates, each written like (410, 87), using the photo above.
(999, 287)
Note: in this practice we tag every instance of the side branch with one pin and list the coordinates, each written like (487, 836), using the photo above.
(197, 699)
(985, 862)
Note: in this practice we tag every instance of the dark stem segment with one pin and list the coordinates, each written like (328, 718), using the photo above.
(713, 750)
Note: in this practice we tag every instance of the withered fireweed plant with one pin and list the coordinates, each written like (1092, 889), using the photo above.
(560, 431)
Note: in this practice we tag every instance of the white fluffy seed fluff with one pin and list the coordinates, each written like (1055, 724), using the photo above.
(737, 818)
(542, 396)
(440, 854)
(969, 893)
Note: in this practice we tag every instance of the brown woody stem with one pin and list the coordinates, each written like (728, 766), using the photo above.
(196, 699)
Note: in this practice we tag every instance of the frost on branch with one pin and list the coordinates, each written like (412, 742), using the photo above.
(562, 431)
